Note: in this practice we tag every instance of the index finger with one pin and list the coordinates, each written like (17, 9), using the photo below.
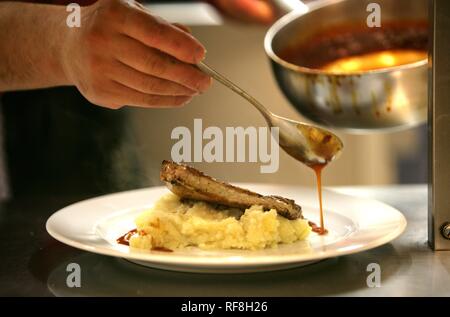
(155, 32)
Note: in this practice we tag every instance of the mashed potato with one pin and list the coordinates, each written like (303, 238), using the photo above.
(173, 224)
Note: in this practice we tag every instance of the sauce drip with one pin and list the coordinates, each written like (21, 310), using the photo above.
(125, 239)
(315, 228)
(162, 249)
(319, 229)
(326, 146)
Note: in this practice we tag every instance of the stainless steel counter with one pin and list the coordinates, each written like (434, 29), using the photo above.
(32, 263)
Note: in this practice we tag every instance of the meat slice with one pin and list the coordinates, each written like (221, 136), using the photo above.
(189, 183)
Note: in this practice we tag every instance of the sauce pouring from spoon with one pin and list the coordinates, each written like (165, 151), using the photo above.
(309, 144)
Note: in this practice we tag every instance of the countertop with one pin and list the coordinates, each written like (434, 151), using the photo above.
(34, 264)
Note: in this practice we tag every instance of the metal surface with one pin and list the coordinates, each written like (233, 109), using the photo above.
(305, 142)
(190, 13)
(387, 99)
(34, 264)
(445, 230)
(439, 124)
(285, 6)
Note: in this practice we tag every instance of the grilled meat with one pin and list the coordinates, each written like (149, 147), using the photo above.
(189, 183)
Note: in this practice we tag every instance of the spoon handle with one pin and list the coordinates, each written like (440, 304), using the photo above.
(226, 82)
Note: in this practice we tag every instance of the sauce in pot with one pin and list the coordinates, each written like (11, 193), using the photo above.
(377, 60)
(350, 48)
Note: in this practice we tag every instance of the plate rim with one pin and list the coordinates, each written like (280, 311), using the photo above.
(230, 261)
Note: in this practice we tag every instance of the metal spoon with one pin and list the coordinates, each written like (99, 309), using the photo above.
(305, 142)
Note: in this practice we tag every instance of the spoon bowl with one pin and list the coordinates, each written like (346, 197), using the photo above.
(306, 143)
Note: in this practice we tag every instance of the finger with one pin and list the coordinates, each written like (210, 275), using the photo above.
(153, 62)
(136, 4)
(125, 96)
(183, 27)
(148, 84)
(157, 33)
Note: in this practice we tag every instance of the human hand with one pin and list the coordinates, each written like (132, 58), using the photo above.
(123, 55)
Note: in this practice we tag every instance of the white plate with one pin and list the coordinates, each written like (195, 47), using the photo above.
(354, 224)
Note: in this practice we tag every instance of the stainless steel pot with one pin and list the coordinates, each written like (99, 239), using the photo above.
(377, 100)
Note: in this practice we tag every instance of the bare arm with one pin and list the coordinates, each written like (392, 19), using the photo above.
(121, 54)
(31, 37)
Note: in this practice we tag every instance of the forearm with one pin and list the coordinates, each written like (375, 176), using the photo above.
(121, 55)
(31, 45)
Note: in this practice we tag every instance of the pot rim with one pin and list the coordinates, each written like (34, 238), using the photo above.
(291, 16)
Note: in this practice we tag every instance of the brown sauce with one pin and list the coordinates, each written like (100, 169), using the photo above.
(125, 239)
(319, 229)
(324, 145)
(315, 228)
(376, 60)
(348, 48)
(162, 249)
